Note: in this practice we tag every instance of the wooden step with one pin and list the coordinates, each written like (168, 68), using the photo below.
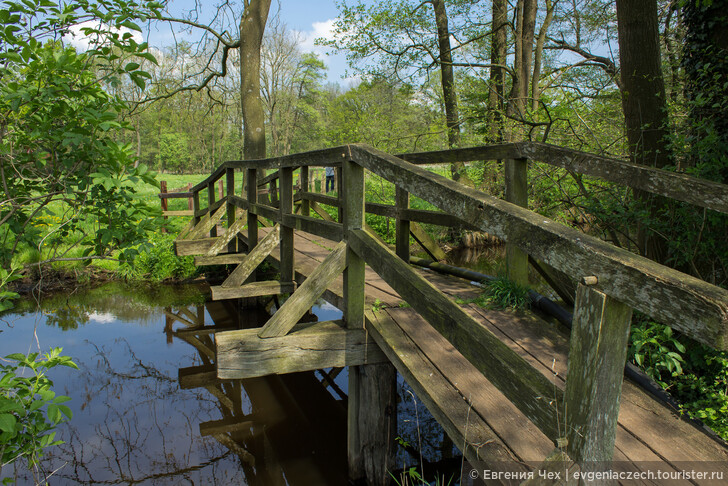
(224, 259)
(193, 247)
(255, 289)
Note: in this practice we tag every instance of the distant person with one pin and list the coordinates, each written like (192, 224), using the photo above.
(329, 179)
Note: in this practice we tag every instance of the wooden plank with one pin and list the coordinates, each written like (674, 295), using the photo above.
(675, 185)
(177, 213)
(206, 225)
(222, 242)
(227, 425)
(286, 250)
(239, 450)
(197, 376)
(598, 351)
(325, 229)
(469, 431)
(231, 209)
(322, 212)
(402, 224)
(309, 346)
(224, 259)
(306, 295)
(185, 230)
(488, 152)
(693, 306)
(516, 192)
(254, 289)
(427, 242)
(179, 318)
(528, 389)
(193, 247)
(522, 437)
(202, 330)
(254, 258)
(265, 211)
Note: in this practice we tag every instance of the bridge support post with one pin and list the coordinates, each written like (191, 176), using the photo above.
(252, 180)
(305, 187)
(402, 226)
(597, 353)
(230, 192)
(372, 388)
(517, 193)
(210, 202)
(286, 208)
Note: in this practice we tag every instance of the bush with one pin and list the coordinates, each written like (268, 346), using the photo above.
(157, 262)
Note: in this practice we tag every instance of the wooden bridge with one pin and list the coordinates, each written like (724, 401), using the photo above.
(496, 381)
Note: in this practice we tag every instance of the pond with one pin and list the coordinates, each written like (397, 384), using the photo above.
(148, 409)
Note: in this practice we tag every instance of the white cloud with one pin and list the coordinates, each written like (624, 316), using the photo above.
(104, 318)
(323, 29)
(82, 42)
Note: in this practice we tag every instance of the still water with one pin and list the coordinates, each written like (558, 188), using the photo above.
(147, 408)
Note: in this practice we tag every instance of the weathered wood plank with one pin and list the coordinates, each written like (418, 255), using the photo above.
(177, 213)
(598, 351)
(427, 242)
(528, 389)
(224, 259)
(516, 192)
(204, 226)
(469, 431)
(193, 247)
(239, 450)
(402, 224)
(265, 211)
(682, 187)
(322, 212)
(693, 306)
(488, 152)
(309, 346)
(325, 229)
(255, 257)
(231, 209)
(255, 289)
(286, 209)
(222, 242)
(227, 425)
(197, 376)
(306, 295)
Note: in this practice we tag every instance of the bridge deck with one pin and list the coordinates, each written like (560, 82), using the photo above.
(473, 411)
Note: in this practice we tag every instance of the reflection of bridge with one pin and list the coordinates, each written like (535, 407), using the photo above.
(495, 381)
(292, 428)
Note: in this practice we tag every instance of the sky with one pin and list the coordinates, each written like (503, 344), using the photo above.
(312, 18)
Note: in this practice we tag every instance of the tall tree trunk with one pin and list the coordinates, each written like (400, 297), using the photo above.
(449, 93)
(498, 54)
(252, 26)
(643, 100)
(525, 32)
(538, 54)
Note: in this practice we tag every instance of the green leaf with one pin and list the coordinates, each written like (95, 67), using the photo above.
(7, 422)
(132, 66)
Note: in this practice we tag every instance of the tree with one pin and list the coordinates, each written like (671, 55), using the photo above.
(57, 126)
(643, 101)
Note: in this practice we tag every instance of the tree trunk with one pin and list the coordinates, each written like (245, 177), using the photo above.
(498, 54)
(643, 100)
(252, 26)
(449, 93)
(540, 41)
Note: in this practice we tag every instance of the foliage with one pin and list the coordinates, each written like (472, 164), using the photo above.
(57, 123)
(29, 408)
(6, 296)
(655, 349)
(696, 375)
(157, 261)
(502, 293)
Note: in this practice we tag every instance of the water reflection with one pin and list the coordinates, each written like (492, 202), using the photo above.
(149, 409)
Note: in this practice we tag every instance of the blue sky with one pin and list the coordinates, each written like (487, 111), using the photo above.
(312, 18)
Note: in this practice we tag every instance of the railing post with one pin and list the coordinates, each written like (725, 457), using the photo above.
(195, 206)
(163, 200)
(190, 207)
(339, 171)
(372, 388)
(286, 207)
(230, 188)
(597, 353)
(516, 171)
(402, 226)
(305, 187)
(252, 200)
(210, 202)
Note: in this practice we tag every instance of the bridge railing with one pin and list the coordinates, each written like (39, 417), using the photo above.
(613, 281)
